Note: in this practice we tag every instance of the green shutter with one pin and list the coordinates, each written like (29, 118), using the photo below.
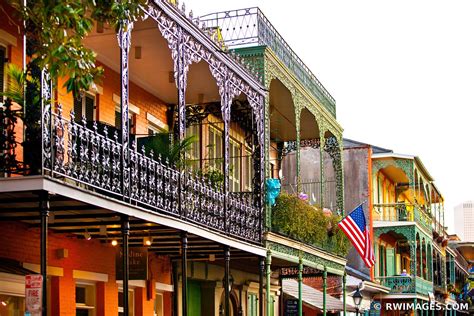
(252, 304)
(376, 254)
(194, 298)
(390, 261)
(272, 306)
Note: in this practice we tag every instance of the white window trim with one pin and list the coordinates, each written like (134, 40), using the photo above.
(83, 100)
(163, 287)
(90, 276)
(12, 284)
(87, 284)
(8, 39)
(131, 107)
(50, 270)
(156, 121)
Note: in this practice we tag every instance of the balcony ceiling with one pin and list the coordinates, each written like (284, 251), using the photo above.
(152, 71)
(397, 175)
(282, 113)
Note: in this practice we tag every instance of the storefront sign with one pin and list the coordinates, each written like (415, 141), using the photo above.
(34, 293)
(291, 308)
(138, 263)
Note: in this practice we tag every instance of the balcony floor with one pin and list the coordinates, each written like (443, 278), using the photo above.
(76, 209)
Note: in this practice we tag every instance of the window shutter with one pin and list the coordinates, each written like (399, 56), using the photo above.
(2, 70)
(90, 103)
(390, 261)
(78, 109)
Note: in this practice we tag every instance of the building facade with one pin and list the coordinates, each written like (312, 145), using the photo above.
(114, 224)
(464, 221)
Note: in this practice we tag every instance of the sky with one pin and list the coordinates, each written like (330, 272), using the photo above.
(402, 74)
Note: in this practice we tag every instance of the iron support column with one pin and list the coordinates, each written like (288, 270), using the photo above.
(184, 272)
(344, 292)
(268, 280)
(44, 214)
(226, 280)
(300, 287)
(325, 276)
(260, 285)
(125, 262)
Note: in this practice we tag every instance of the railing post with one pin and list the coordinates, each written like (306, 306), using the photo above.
(184, 272)
(300, 287)
(124, 40)
(268, 280)
(344, 292)
(322, 188)
(325, 276)
(44, 214)
(260, 285)
(125, 262)
(226, 281)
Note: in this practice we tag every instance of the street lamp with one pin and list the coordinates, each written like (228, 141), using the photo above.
(357, 297)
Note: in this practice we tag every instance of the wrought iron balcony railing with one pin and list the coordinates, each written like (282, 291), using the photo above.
(250, 27)
(398, 284)
(402, 212)
(406, 284)
(79, 154)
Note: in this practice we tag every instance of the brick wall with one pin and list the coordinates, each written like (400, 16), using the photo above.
(21, 243)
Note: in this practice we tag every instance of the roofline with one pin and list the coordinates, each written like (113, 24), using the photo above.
(362, 144)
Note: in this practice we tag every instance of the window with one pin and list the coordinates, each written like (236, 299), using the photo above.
(215, 148)
(84, 106)
(252, 304)
(193, 155)
(153, 129)
(85, 299)
(118, 118)
(248, 170)
(234, 170)
(159, 304)
(3, 64)
(130, 303)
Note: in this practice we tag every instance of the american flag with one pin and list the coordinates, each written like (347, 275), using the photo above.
(355, 227)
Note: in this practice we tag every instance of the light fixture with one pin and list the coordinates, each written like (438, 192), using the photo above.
(138, 52)
(87, 235)
(4, 303)
(212, 257)
(114, 242)
(357, 297)
(147, 241)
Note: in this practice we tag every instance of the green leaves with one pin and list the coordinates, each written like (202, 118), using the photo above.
(56, 29)
(297, 219)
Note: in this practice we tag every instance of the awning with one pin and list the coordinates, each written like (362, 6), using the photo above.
(313, 297)
(13, 267)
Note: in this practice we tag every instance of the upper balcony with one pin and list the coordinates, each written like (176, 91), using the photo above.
(406, 285)
(105, 140)
(402, 212)
(244, 28)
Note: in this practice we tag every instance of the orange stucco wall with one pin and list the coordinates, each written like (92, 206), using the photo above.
(21, 243)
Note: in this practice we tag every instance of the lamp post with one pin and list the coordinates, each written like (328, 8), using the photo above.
(357, 297)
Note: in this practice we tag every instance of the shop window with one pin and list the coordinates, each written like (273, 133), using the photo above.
(3, 64)
(130, 303)
(12, 305)
(159, 304)
(84, 106)
(85, 299)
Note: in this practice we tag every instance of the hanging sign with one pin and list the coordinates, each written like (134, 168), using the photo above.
(138, 263)
(291, 307)
(34, 293)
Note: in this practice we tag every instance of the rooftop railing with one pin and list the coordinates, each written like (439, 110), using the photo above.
(250, 27)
